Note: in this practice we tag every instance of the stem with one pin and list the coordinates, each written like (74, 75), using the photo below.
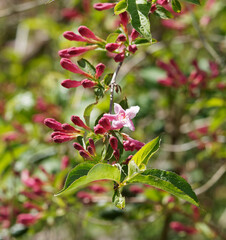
(113, 82)
(166, 227)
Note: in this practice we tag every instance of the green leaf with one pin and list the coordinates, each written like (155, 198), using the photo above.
(145, 153)
(87, 67)
(139, 10)
(107, 78)
(87, 172)
(124, 103)
(176, 6)
(112, 37)
(167, 181)
(193, 1)
(76, 177)
(120, 7)
(118, 200)
(88, 111)
(162, 12)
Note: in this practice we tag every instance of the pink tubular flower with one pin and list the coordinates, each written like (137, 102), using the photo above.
(124, 19)
(130, 144)
(113, 142)
(98, 129)
(75, 51)
(116, 154)
(86, 83)
(71, 83)
(134, 34)
(111, 47)
(122, 118)
(119, 57)
(84, 154)
(27, 219)
(121, 38)
(87, 33)
(179, 227)
(103, 6)
(77, 121)
(105, 123)
(99, 70)
(78, 147)
(71, 36)
(132, 48)
(92, 145)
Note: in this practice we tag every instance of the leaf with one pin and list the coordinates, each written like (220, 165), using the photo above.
(124, 103)
(167, 181)
(193, 1)
(162, 12)
(88, 111)
(112, 37)
(139, 10)
(120, 7)
(107, 78)
(176, 6)
(87, 67)
(145, 153)
(118, 199)
(87, 172)
(76, 177)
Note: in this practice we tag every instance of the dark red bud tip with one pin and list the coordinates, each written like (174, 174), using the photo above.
(86, 83)
(70, 66)
(62, 138)
(69, 128)
(103, 6)
(134, 34)
(98, 129)
(90, 150)
(78, 147)
(84, 154)
(119, 57)
(71, 36)
(86, 32)
(52, 123)
(91, 143)
(77, 121)
(121, 38)
(116, 154)
(105, 123)
(70, 83)
(99, 70)
(111, 47)
(64, 54)
(132, 48)
(113, 142)
(124, 18)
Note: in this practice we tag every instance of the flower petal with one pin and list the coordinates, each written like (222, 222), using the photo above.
(130, 125)
(110, 116)
(132, 111)
(118, 108)
(117, 124)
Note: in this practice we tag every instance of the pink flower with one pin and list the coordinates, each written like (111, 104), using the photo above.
(27, 219)
(179, 227)
(122, 118)
(103, 6)
(130, 144)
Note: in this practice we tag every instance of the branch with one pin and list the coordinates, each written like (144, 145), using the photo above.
(219, 173)
(113, 82)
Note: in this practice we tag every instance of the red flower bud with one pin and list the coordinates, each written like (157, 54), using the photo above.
(71, 36)
(113, 142)
(70, 83)
(103, 6)
(116, 154)
(27, 219)
(179, 227)
(99, 70)
(70, 66)
(64, 162)
(132, 48)
(97, 188)
(84, 154)
(98, 129)
(136, 189)
(119, 57)
(111, 47)
(86, 32)
(121, 38)
(67, 127)
(91, 143)
(52, 123)
(63, 138)
(124, 18)
(77, 121)
(64, 54)
(86, 83)
(90, 150)
(104, 122)
(134, 34)
(77, 51)
(78, 147)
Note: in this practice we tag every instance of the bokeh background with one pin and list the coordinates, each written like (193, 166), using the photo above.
(190, 117)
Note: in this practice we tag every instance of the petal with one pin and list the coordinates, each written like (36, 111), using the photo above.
(110, 116)
(132, 111)
(117, 124)
(118, 108)
(130, 125)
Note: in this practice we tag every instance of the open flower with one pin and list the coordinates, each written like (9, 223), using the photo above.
(122, 118)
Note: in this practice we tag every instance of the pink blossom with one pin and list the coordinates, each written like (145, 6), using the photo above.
(97, 188)
(103, 6)
(179, 227)
(27, 219)
(122, 118)
(119, 57)
(70, 83)
(99, 70)
(130, 144)
(134, 34)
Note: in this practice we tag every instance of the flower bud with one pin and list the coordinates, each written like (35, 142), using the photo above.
(86, 32)
(86, 83)
(70, 66)
(77, 121)
(134, 34)
(64, 54)
(119, 57)
(84, 154)
(99, 70)
(71, 36)
(103, 6)
(52, 123)
(121, 38)
(70, 83)
(124, 18)
(91, 143)
(67, 127)
(132, 48)
(64, 162)
(98, 129)
(105, 123)
(63, 138)
(116, 154)
(111, 47)
(162, 2)
(113, 142)
(77, 51)
(90, 150)
(78, 147)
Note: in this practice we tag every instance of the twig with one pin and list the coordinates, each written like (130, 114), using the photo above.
(113, 82)
(20, 8)
(219, 173)
(204, 41)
